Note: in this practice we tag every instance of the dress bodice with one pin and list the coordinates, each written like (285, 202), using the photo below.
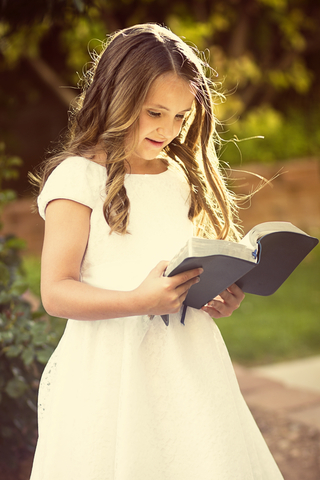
(158, 221)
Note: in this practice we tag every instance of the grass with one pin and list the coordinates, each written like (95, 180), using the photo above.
(284, 326)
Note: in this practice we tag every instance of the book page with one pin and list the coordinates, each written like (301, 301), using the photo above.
(262, 229)
(203, 247)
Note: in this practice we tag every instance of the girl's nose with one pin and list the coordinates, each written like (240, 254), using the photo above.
(166, 130)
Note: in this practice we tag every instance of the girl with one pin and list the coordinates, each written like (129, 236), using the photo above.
(125, 397)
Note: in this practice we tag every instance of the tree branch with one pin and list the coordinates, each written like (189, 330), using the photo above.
(52, 80)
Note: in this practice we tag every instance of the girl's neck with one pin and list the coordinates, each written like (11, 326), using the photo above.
(136, 166)
(149, 167)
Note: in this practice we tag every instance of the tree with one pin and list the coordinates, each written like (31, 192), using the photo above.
(264, 46)
(265, 51)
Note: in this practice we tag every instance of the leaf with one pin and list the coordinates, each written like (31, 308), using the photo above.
(22, 336)
(14, 162)
(10, 174)
(16, 387)
(39, 313)
(16, 243)
(4, 298)
(39, 334)
(4, 275)
(7, 196)
(13, 350)
(79, 4)
(18, 288)
(28, 355)
(6, 337)
(44, 355)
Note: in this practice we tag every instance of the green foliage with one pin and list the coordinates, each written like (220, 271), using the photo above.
(12, 51)
(277, 136)
(281, 327)
(26, 341)
(31, 267)
(85, 37)
(8, 171)
(265, 52)
(255, 45)
(260, 48)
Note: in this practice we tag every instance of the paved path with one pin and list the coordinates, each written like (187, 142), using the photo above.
(303, 373)
(285, 402)
(290, 388)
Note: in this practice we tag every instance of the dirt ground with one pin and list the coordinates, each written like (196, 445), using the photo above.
(295, 447)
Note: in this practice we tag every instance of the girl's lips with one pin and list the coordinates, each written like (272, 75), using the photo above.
(155, 142)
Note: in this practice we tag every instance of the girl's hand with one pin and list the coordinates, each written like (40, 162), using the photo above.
(159, 295)
(225, 303)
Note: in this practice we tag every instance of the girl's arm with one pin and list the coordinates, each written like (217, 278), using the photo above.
(66, 235)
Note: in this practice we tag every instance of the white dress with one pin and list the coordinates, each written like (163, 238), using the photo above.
(130, 398)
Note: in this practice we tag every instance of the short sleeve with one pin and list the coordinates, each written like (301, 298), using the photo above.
(77, 179)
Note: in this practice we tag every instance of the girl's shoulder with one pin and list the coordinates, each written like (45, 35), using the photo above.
(79, 166)
(75, 178)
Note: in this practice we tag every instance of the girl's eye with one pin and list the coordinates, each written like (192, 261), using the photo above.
(154, 114)
(180, 117)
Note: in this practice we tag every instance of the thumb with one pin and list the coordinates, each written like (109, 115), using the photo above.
(160, 268)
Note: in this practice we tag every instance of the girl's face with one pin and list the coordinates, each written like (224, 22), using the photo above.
(168, 101)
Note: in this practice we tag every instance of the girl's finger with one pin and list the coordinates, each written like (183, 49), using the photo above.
(227, 298)
(214, 312)
(187, 278)
(232, 296)
(236, 291)
(183, 296)
(160, 268)
(184, 288)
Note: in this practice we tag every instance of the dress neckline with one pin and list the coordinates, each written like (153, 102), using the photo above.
(127, 175)
(146, 174)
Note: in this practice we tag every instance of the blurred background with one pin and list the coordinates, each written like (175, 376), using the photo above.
(266, 57)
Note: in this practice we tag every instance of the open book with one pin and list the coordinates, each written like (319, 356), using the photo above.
(259, 263)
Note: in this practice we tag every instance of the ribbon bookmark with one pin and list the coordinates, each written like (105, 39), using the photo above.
(183, 314)
(165, 318)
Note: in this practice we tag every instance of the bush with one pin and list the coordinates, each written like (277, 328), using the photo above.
(26, 341)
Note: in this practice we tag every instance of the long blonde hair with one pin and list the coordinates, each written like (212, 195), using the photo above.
(109, 108)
